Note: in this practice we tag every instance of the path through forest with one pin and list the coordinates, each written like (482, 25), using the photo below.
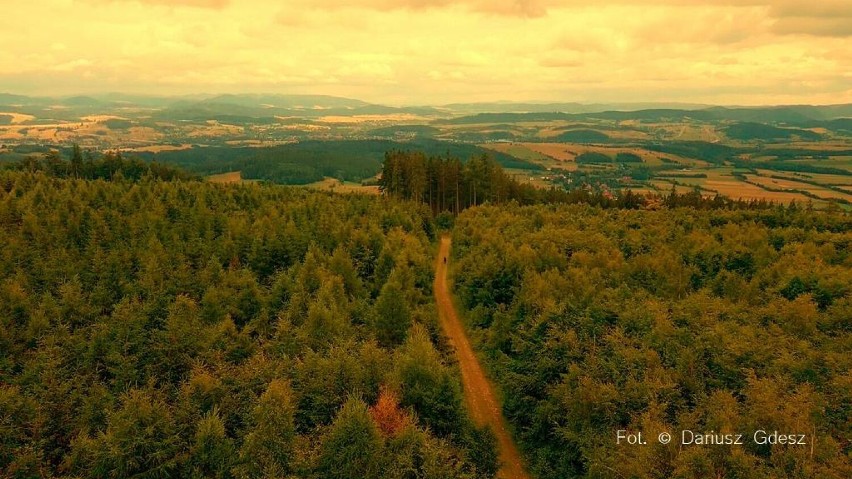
(478, 392)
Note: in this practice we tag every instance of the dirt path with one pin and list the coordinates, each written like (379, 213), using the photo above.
(478, 392)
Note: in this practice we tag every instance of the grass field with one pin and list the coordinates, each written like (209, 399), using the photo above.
(665, 187)
(535, 178)
(841, 162)
(158, 148)
(336, 186)
(744, 191)
(779, 184)
(724, 182)
(518, 151)
(834, 180)
(18, 117)
(565, 153)
(226, 178)
(539, 156)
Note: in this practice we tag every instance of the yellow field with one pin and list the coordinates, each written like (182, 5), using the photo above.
(568, 152)
(835, 180)
(744, 191)
(158, 148)
(88, 132)
(615, 134)
(18, 117)
(226, 178)
(337, 186)
(517, 150)
(665, 187)
(97, 118)
(644, 191)
(686, 131)
(215, 129)
(812, 145)
(391, 118)
(538, 179)
(540, 157)
(778, 184)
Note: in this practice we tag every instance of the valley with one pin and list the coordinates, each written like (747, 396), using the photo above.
(774, 154)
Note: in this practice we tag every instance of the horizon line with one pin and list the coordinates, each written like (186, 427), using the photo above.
(207, 95)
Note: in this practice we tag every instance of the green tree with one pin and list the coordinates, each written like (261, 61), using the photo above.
(268, 448)
(212, 454)
(352, 447)
(141, 440)
(393, 317)
(76, 168)
(427, 385)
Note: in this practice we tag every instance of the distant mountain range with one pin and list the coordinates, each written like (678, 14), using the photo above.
(802, 115)
(194, 107)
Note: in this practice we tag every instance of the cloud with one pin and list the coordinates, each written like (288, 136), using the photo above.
(817, 26)
(824, 18)
(514, 8)
(433, 51)
(210, 4)
(701, 25)
(558, 62)
(811, 9)
(71, 65)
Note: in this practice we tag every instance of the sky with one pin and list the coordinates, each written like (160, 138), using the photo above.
(419, 52)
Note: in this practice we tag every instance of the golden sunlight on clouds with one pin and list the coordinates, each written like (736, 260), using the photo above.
(434, 51)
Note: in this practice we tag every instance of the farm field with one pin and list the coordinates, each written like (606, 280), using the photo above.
(667, 169)
(548, 158)
(336, 186)
(776, 184)
(724, 182)
(536, 178)
(840, 162)
(17, 117)
(568, 152)
(745, 191)
(226, 178)
(835, 180)
(663, 187)
(687, 147)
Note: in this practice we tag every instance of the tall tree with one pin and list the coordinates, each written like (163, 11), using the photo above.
(393, 317)
(349, 448)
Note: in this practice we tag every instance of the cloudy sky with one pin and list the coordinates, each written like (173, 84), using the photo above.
(408, 52)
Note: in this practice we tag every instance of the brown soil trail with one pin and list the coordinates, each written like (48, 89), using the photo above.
(478, 392)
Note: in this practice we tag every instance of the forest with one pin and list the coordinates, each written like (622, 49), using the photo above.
(309, 161)
(729, 320)
(167, 328)
(88, 165)
(447, 185)
(155, 325)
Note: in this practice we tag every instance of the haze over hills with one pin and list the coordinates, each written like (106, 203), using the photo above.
(268, 105)
(303, 139)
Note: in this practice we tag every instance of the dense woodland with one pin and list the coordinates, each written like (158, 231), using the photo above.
(448, 185)
(309, 161)
(596, 320)
(183, 329)
(152, 325)
(89, 165)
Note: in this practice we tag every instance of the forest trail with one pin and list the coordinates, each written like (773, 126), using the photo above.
(478, 392)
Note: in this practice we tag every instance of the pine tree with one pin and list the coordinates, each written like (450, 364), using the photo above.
(268, 448)
(353, 445)
(392, 315)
